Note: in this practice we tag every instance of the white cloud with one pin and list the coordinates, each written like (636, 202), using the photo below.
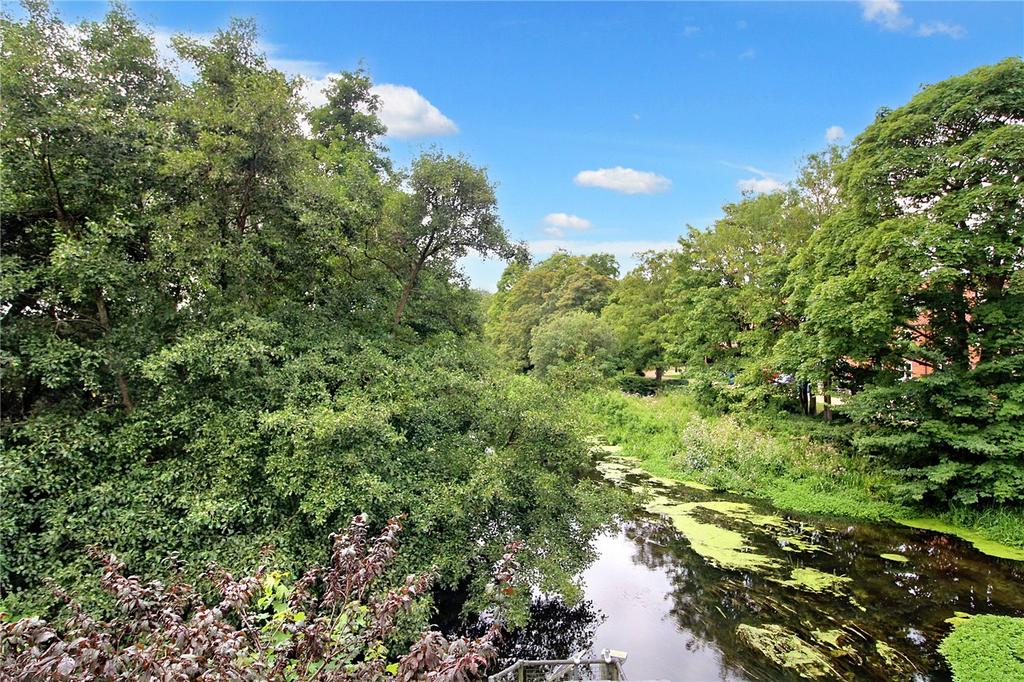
(933, 28)
(741, 24)
(760, 185)
(407, 113)
(625, 180)
(889, 15)
(557, 223)
(313, 90)
(691, 31)
(834, 134)
(886, 13)
(573, 222)
(404, 111)
(749, 53)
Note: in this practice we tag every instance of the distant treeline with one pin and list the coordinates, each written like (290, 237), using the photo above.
(891, 271)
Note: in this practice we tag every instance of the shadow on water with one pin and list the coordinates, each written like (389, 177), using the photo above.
(698, 585)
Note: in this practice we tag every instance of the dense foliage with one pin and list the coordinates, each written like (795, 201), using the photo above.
(222, 332)
(529, 296)
(985, 647)
(885, 281)
(333, 623)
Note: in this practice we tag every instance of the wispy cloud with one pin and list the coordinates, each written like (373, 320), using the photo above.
(890, 16)
(834, 134)
(933, 28)
(760, 185)
(749, 53)
(748, 168)
(619, 249)
(625, 180)
(691, 31)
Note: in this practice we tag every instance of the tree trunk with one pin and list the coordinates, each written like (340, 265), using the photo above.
(404, 300)
(400, 310)
(812, 400)
(803, 391)
(659, 372)
(112, 360)
(828, 397)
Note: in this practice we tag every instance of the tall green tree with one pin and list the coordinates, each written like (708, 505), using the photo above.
(636, 310)
(449, 210)
(728, 307)
(924, 264)
(80, 141)
(529, 296)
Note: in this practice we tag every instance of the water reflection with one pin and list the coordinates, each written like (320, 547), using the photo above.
(827, 605)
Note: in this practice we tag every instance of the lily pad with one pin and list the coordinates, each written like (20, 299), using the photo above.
(894, 557)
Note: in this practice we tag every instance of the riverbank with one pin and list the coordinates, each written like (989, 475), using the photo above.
(787, 460)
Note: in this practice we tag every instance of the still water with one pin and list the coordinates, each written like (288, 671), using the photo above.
(700, 585)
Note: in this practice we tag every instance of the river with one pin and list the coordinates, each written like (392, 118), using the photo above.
(703, 585)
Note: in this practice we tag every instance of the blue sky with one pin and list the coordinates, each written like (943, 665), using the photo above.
(613, 126)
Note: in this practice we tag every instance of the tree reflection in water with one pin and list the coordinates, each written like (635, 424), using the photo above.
(555, 630)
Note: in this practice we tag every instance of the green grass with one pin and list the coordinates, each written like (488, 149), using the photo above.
(797, 463)
(984, 648)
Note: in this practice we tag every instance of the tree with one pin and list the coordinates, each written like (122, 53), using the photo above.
(240, 388)
(924, 265)
(79, 142)
(577, 337)
(449, 210)
(528, 296)
(728, 305)
(636, 310)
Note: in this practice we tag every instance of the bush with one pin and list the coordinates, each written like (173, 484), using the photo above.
(333, 623)
(252, 439)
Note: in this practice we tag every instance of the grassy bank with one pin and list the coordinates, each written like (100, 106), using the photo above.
(796, 463)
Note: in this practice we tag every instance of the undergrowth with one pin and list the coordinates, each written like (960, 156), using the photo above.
(797, 463)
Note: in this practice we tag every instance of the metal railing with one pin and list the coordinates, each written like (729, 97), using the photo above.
(606, 667)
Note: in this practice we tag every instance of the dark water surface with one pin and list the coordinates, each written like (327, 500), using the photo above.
(700, 585)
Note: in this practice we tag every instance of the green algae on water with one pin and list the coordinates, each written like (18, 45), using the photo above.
(744, 512)
(830, 637)
(984, 546)
(813, 580)
(787, 649)
(894, 557)
(722, 547)
(958, 617)
(895, 661)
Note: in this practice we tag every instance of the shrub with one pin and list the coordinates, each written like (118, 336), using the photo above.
(333, 623)
(984, 648)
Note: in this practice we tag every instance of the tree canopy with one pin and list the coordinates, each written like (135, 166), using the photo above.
(229, 323)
